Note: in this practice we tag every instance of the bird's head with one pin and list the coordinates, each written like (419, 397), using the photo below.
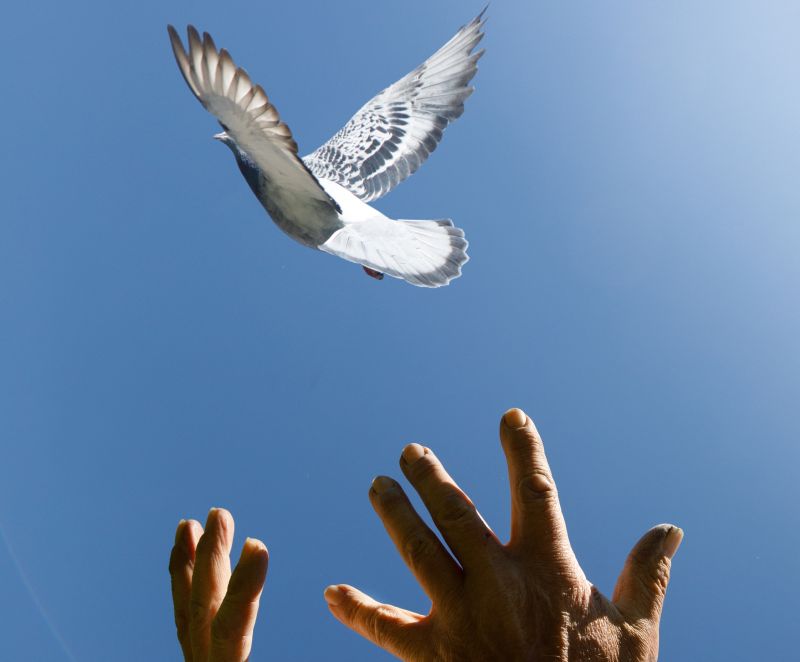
(226, 139)
(223, 137)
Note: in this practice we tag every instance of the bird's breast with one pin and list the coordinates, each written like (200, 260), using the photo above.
(306, 220)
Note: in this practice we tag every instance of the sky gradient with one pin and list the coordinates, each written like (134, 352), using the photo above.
(626, 175)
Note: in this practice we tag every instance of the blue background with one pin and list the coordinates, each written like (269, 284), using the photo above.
(626, 173)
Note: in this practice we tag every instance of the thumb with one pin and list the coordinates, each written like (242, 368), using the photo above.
(642, 585)
(393, 629)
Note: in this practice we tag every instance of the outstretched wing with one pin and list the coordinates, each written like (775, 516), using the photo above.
(393, 133)
(246, 114)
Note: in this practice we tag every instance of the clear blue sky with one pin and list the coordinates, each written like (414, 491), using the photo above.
(626, 173)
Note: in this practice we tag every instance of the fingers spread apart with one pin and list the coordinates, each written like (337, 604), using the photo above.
(469, 537)
(434, 568)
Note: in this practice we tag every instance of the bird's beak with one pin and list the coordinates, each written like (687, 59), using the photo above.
(220, 136)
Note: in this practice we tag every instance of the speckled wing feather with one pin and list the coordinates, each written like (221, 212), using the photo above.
(393, 133)
(245, 112)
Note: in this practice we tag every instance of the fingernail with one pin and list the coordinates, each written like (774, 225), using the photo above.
(381, 483)
(538, 483)
(515, 418)
(253, 546)
(412, 453)
(672, 541)
(333, 595)
(254, 551)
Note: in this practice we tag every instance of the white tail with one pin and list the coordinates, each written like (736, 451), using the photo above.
(424, 253)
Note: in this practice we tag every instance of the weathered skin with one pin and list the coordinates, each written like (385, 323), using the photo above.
(527, 600)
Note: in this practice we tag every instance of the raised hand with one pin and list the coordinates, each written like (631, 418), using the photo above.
(215, 611)
(524, 600)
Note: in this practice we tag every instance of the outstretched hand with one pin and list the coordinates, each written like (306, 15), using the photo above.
(525, 600)
(215, 611)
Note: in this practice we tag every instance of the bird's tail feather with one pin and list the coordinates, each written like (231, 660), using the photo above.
(423, 253)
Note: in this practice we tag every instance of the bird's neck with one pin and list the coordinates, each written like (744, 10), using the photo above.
(250, 171)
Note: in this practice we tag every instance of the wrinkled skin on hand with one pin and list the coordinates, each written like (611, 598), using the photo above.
(525, 600)
(215, 610)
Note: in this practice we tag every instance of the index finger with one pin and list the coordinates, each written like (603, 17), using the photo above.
(537, 524)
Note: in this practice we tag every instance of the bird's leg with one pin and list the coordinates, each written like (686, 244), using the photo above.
(377, 275)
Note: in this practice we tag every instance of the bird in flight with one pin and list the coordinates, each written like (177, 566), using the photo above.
(321, 200)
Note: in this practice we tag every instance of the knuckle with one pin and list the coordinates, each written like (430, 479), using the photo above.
(535, 488)
(199, 613)
(367, 618)
(350, 605)
(456, 511)
(653, 578)
(651, 564)
(210, 550)
(424, 468)
(523, 440)
(370, 619)
(377, 617)
(418, 549)
(659, 575)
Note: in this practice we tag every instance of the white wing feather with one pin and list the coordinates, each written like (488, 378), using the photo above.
(394, 132)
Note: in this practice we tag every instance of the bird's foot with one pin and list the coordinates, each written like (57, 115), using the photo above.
(377, 275)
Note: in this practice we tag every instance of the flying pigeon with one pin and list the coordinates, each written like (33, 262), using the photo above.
(322, 199)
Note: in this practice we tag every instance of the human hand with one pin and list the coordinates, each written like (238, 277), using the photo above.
(525, 600)
(215, 611)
